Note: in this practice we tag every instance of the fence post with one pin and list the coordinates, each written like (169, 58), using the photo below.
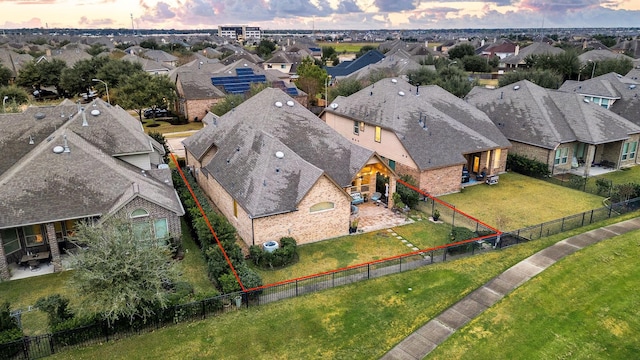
(562, 226)
(400, 265)
(368, 271)
(591, 218)
(582, 224)
(204, 311)
(333, 279)
(540, 231)
(296, 287)
(51, 347)
(26, 347)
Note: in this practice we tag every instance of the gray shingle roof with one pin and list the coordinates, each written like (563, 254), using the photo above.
(247, 139)
(451, 129)
(43, 186)
(528, 113)
(624, 89)
(537, 48)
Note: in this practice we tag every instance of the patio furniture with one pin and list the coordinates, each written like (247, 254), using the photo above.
(492, 180)
(356, 198)
(34, 265)
(354, 209)
(376, 196)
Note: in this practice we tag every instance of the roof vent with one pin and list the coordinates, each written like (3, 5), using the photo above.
(245, 64)
(39, 116)
(290, 103)
(632, 86)
(278, 104)
(334, 105)
(516, 87)
(394, 81)
(279, 154)
(58, 149)
(401, 93)
(95, 112)
(586, 100)
(163, 166)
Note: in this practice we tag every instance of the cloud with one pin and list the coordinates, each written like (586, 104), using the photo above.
(395, 5)
(84, 22)
(559, 7)
(348, 6)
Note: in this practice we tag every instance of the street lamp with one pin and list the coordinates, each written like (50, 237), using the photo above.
(106, 89)
(326, 90)
(593, 71)
(4, 101)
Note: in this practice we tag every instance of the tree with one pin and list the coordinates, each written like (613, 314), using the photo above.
(311, 79)
(422, 76)
(56, 307)
(96, 49)
(77, 79)
(455, 80)
(229, 102)
(15, 97)
(365, 49)
(142, 90)
(328, 53)
(619, 66)
(120, 276)
(461, 50)
(545, 78)
(43, 73)
(265, 48)
(149, 44)
(5, 76)
(345, 88)
(476, 63)
(114, 72)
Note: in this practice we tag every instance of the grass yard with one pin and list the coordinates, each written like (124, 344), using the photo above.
(572, 310)
(194, 267)
(623, 176)
(358, 321)
(357, 249)
(165, 127)
(519, 201)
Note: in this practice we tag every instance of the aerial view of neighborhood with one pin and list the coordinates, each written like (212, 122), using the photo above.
(343, 179)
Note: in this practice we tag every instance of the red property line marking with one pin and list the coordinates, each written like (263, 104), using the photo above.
(206, 219)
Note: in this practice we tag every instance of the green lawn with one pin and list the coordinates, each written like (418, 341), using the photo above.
(359, 321)
(586, 306)
(193, 266)
(165, 127)
(518, 201)
(623, 176)
(357, 249)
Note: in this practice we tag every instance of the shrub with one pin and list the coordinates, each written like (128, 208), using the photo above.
(460, 234)
(9, 332)
(604, 186)
(408, 196)
(577, 182)
(56, 307)
(530, 167)
(280, 257)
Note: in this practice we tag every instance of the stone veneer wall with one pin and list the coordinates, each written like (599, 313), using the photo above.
(199, 108)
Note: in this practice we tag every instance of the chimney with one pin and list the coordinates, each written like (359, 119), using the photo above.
(84, 117)
(517, 50)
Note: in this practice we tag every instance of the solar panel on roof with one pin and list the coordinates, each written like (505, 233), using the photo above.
(244, 71)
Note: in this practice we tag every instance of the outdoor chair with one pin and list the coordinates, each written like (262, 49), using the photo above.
(356, 198)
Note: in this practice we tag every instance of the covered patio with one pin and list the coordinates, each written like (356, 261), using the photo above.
(375, 216)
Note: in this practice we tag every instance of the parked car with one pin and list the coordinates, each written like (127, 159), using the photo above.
(155, 113)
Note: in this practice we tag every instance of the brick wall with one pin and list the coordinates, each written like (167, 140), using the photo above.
(199, 108)
(533, 152)
(155, 212)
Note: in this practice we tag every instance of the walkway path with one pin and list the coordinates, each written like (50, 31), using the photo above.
(428, 337)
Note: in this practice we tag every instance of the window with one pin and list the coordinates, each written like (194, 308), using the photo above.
(604, 103)
(356, 128)
(562, 156)
(33, 235)
(235, 208)
(161, 230)
(322, 206)
(141, 230)
(392, 164)
(378, 134)
(138, 213)
(496, 158)
(629, 150)
(10, 240)
(361, 126)
(283, 66)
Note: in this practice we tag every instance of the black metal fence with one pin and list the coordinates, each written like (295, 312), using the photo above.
(35, 347)
(592, 185)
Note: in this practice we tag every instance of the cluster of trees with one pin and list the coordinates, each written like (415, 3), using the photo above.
(465, 54)
(450, 77)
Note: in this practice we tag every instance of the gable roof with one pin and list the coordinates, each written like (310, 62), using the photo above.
(600, 55)
(531, 114)
(625, 90)
(537, 48)
(434, 126)
(246, 140)
(41, 185)
(148, 65)
(398, 62)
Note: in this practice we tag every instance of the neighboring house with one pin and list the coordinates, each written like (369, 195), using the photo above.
(14, 61)
(346, 68)
(63, 164)
(620, 94)
(396, 62)
(557, 128)
(600, 55)
(425, 132)
(502, 49)
(150, 66)
(274, 169)
(631, 47)
(535, 49)
(161, 57)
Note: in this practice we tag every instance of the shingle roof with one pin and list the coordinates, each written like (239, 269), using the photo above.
(348, 67)
(537, 48)
(247, 139)
(624, 89)
(600, 55)
(42, 186)
(530, 114)
(398, 62)
(451, 129)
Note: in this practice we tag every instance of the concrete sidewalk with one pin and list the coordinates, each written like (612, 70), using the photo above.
(417, 345)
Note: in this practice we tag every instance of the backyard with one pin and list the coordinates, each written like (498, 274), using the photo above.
(359, 321)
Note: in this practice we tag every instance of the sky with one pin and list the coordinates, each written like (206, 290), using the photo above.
(318, 14)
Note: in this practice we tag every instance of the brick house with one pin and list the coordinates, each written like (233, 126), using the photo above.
(425, 132)
(561, 129)
(274, 169)
(65, 164)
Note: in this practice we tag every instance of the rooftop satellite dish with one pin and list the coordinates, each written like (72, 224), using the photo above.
(279, 154)
(334, 105)
(290, 103)
(58, 149)
(516, 87)
(394, 81)
(95, 112)
(278, 104)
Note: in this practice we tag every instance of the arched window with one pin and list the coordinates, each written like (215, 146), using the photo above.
(138, 213)
(322, 206)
